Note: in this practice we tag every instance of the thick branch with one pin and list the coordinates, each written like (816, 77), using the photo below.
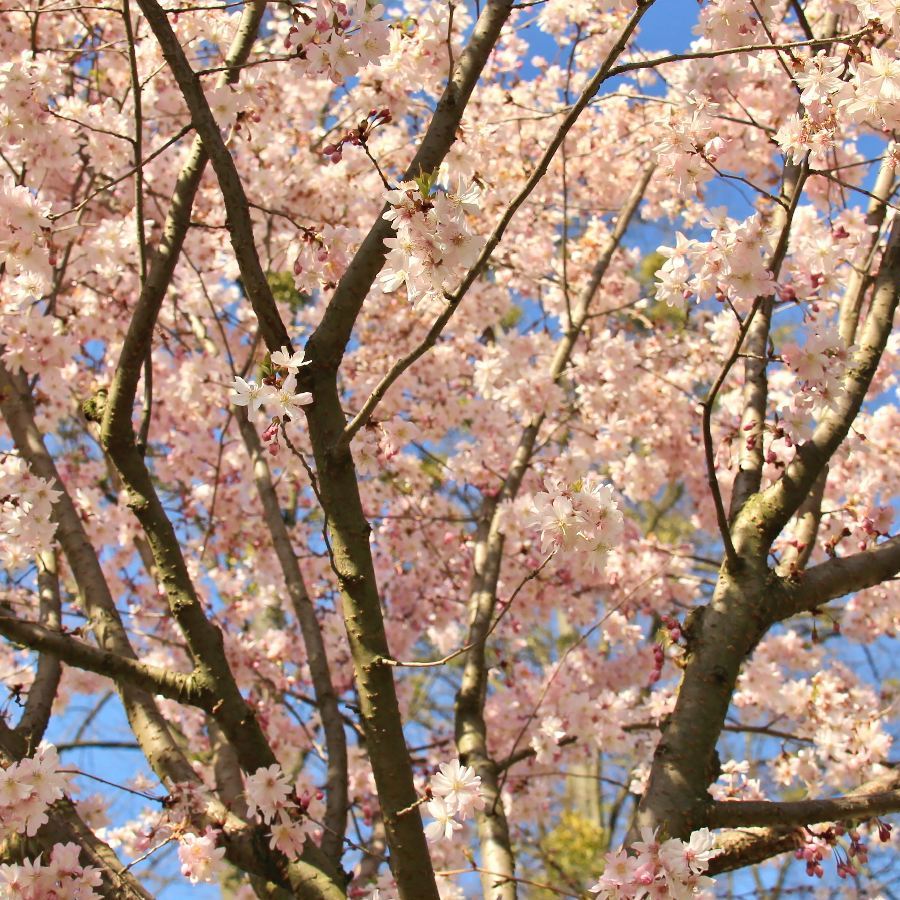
(742, 848)
(121, 669)
(245, 846)
(838, 577)
(758, 813)
(746, 847)
(719, 638)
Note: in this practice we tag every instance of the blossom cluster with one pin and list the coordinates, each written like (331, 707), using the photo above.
(23, 244)
(433, 246)
(61, 878)
(671, 869)
(819, 364)
(320, 257)
(455, 792)
(829, 96)
(27, 789)
(26, 505)
(832, 710)
(729, 265)
(199, 856)
(340, 39)
(690, 143)
(584, 518)
(547, 737)
(269, 796)
(277, 391)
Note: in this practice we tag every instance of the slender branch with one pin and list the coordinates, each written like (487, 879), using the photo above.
(800, 12)
(186, 129)
(42, 693)
(655, 61)
(756, 384)
(405, 362)
(148, 725)
(709, 450)
(782, 499)
(529, 752)
(809, 517)
(470, 725)
(860, 280)
(317, 659)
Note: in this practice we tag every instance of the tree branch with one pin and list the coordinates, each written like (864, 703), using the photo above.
(148, 725)
(859, 280)
(349, 529)
(841, 576)
(326, 345)
(317, 659)
(470, 725)
(756, 383)
(153, 679)
(746, 847)
(809, 517)
(757, 813)
(42, 693)
(780, 501)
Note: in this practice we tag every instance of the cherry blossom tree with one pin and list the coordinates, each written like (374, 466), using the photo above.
(455, 444)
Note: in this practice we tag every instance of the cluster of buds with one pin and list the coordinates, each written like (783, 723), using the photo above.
(673, 627)
(659, 659)
(813, 850)
(358, 136)
(311, 237)
(815, 846)
(270, 436)
(675, 636)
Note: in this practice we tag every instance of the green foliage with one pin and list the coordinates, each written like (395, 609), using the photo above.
(282, 285)
(511, 318)
(425, 182)
(570, 854)
(662, 517)
(432, 467)
(658, 313)
(648, 268)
